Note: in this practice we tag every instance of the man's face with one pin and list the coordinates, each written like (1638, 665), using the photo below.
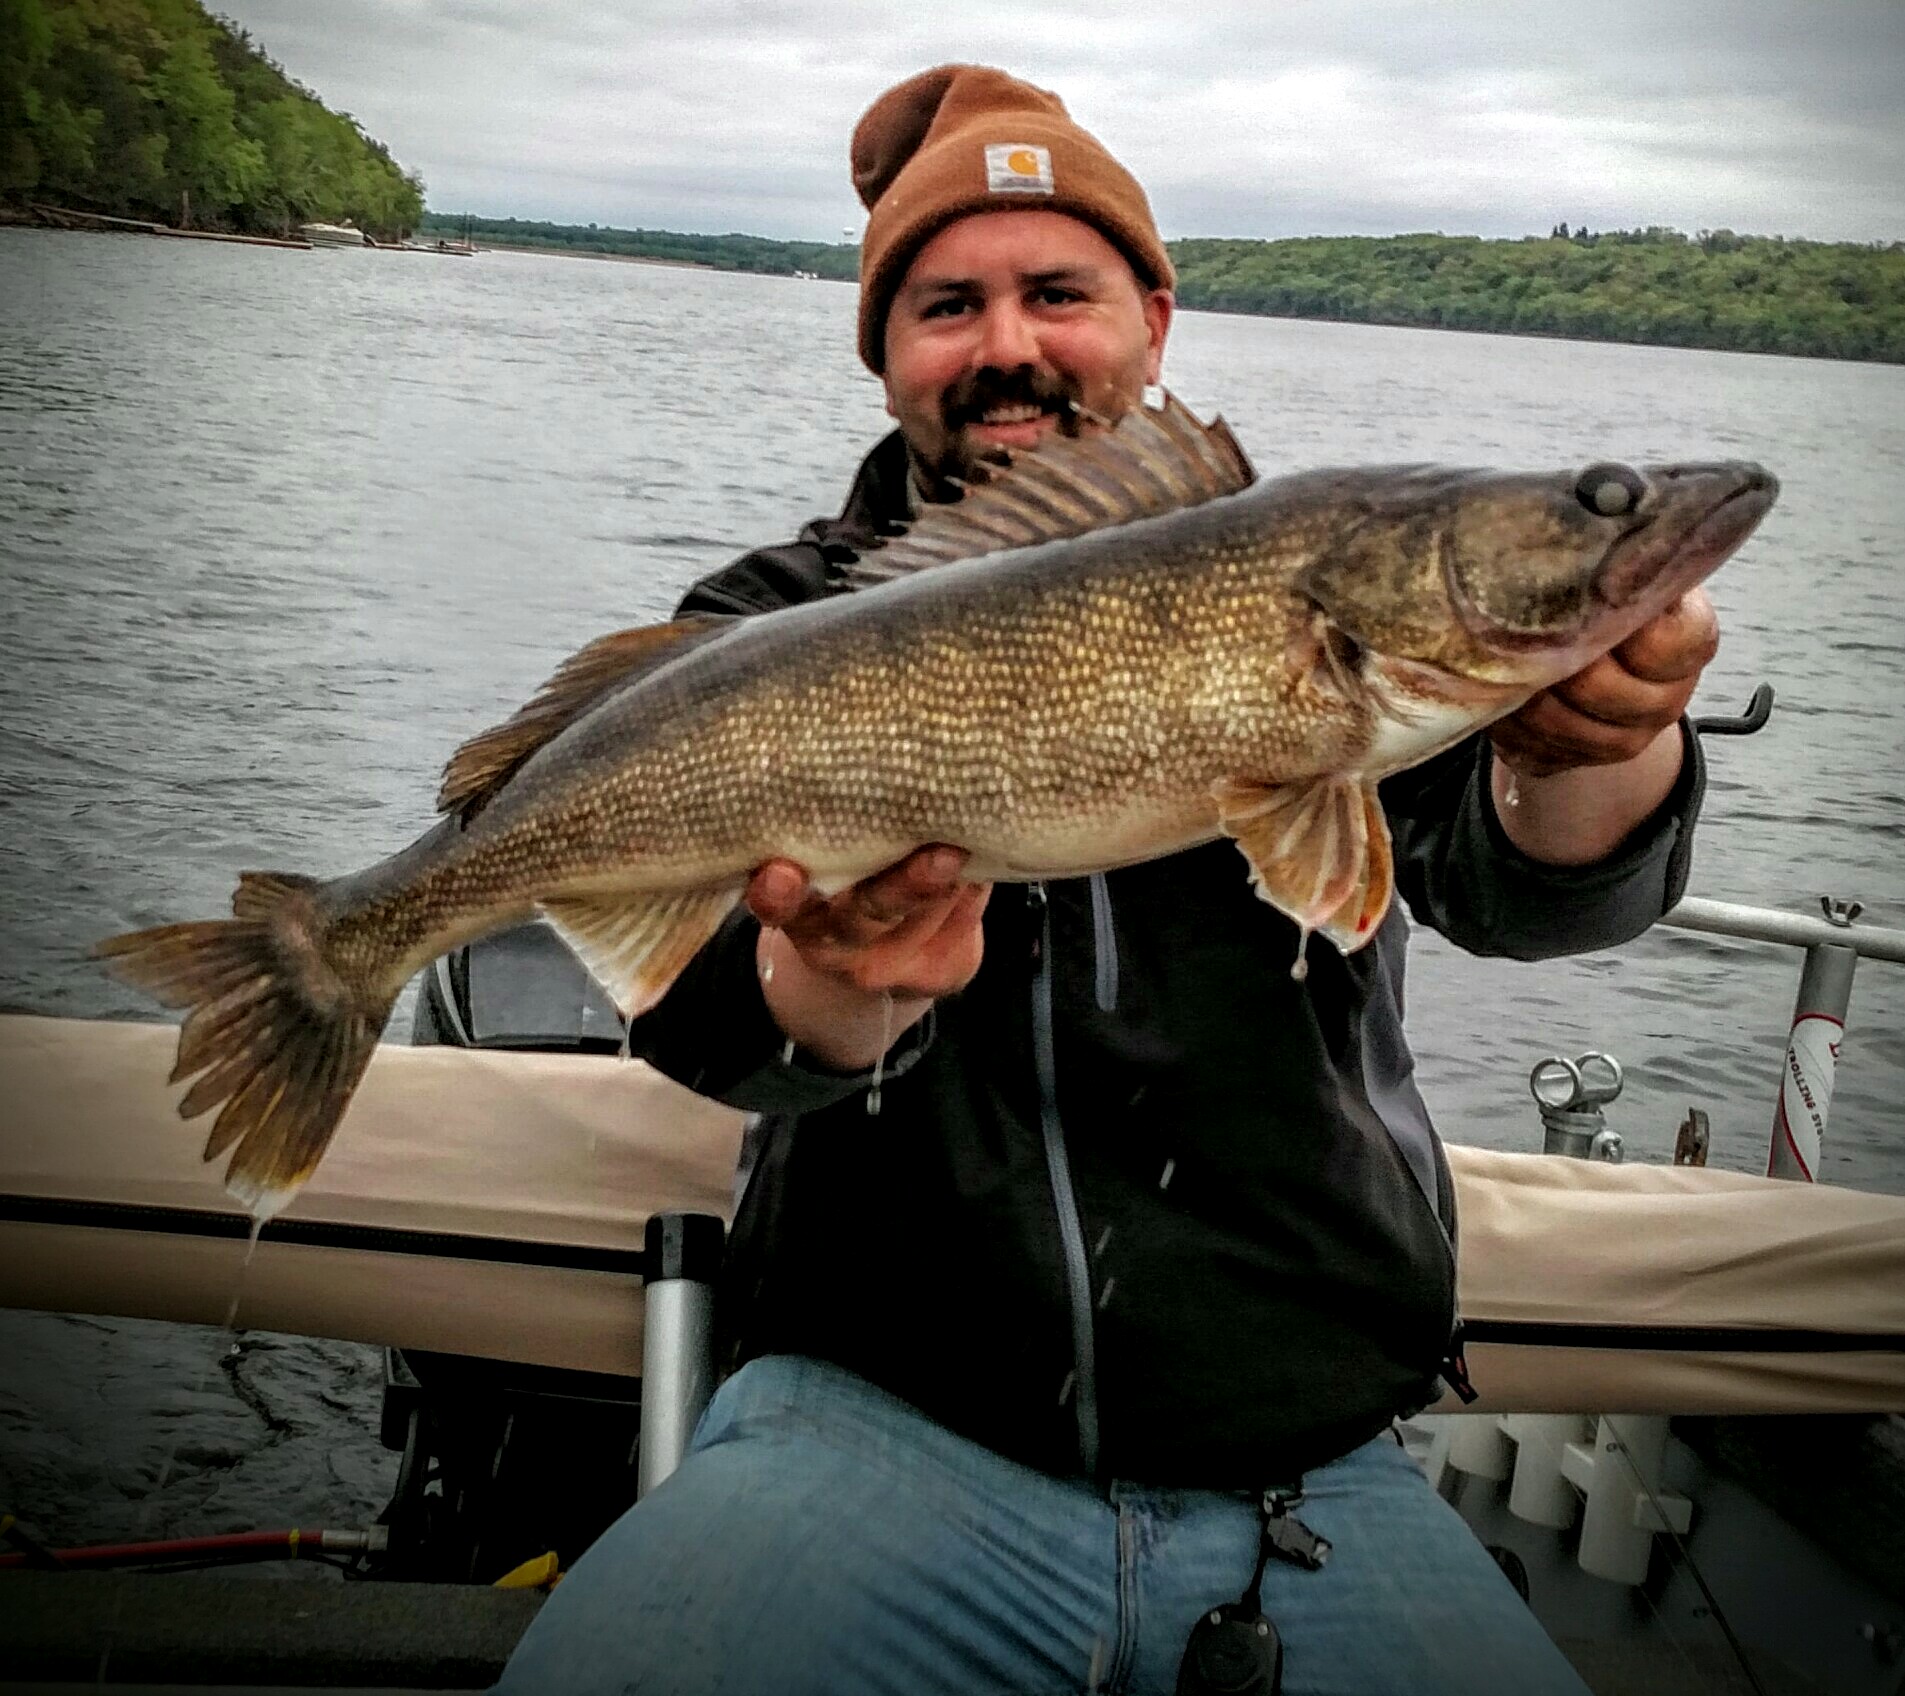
(1002, 322)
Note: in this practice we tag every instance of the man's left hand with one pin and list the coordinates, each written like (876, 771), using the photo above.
(1613, 710)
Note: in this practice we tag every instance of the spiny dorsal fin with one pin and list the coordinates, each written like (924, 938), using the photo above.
(1153, 460)
(486, 762)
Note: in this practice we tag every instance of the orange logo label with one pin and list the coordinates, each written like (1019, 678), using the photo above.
(1017, 167)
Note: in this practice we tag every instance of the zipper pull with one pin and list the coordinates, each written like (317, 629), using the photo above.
(1455, 1370)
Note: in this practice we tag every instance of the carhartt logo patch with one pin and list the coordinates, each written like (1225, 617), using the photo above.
(1014, 168)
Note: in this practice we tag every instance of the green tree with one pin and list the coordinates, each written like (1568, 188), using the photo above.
(208, 165)
(155, 108)
(26, 43)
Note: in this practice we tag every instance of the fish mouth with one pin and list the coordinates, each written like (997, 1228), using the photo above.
(1705, 512)
(1695, 516)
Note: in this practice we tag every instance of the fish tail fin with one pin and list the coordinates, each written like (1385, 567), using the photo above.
(274, 1031)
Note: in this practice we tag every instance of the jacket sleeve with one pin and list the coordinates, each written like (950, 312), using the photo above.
(1460, 874)
(770, 578)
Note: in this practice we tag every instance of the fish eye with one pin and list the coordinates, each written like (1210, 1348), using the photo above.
(1610, 491)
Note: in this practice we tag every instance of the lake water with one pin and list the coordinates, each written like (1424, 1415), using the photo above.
(279, 529)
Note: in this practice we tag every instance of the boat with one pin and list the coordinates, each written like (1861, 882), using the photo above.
(530, 1230)
(333, 235)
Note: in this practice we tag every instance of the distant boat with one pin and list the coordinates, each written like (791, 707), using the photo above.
(333, 235)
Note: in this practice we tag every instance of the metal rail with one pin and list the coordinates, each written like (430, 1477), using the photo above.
(1795, 930)
(1834, 944)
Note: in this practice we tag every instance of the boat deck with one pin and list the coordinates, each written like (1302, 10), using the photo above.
(169, 1634)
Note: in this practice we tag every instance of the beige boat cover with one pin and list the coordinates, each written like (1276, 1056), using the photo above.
(577, 1151)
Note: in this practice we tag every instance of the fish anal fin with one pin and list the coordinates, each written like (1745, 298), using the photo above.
(1319, 852)
(487, 761)
(636, 944)
(1153, 460)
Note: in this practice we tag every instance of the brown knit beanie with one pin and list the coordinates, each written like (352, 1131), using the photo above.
(966, 138)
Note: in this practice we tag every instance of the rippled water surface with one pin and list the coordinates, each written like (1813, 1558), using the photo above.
(278, 529)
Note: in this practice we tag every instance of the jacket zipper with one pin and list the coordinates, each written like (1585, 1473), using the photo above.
(1071, 1230)
(1104, 940)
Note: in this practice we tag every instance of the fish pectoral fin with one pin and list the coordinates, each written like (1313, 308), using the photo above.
(1319, 852)
(635, 945)
(1359, 917)
(582, 682)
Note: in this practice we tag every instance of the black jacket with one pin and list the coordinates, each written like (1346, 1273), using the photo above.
(1135, 1204)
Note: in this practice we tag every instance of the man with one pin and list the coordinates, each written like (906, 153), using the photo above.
(1077, 1225)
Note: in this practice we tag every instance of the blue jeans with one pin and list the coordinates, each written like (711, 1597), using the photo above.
(823, 1537)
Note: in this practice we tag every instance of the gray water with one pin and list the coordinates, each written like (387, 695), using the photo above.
(279, 529)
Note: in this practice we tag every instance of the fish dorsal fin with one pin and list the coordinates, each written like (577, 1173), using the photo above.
(487, 761)
(1153, 460)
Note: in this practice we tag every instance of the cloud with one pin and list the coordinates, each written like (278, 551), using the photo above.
(1490, 117)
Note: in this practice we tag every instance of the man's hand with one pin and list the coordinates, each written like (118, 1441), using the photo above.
(1612, 710)
(845, 975)
(1587, 761)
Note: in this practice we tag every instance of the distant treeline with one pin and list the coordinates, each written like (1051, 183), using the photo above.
(1759, 294)
(1716, 289)
(721, 253)
(155, 109)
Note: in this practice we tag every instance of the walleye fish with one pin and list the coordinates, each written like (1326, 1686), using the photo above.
(1123, 645)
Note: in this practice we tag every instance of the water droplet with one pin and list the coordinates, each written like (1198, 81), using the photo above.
(879, 1064)
(1170, 1169)
(1105, 1296)
(1065, 1389)
(1299, 969)
(258, 1219)
(787, 1053)
(1104, 1237)
(1511, 796)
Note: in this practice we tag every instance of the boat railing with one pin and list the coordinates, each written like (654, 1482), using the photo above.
(1834, 943)
(1608, 1472)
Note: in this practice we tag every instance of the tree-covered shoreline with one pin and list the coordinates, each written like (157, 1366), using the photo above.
(759, 254)
(155, 109)
(1715, 289)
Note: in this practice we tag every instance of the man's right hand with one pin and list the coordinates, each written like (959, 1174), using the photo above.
(845, 975)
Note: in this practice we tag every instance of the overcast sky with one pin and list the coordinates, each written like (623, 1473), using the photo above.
(1241, 117)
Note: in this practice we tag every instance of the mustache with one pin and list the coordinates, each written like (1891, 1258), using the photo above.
(969, 399)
